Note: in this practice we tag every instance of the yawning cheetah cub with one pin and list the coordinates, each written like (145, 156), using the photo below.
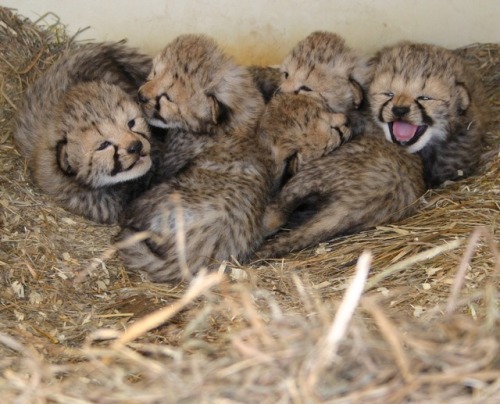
(84, 137)
(216, 203)
(425, 100)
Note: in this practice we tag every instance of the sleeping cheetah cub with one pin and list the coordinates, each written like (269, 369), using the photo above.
(365, 183)
(84, 137)
(323, 67)
(214, 102)
(297, 129)
(217, 201)
(425, 100)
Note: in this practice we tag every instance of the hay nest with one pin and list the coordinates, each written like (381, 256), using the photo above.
(77, 328)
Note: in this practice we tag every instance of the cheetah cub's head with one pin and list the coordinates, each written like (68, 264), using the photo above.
(323, 67)
(298, 129)
(105, 139)
(418, 93)
(194, 86)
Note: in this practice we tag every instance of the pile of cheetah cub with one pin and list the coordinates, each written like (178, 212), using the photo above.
(200, 160)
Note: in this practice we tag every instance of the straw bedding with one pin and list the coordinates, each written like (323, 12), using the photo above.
(77, 328)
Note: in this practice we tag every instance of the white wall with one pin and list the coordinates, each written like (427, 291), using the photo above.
(263, 31)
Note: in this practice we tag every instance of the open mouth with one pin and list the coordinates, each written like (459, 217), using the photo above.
(405, 133)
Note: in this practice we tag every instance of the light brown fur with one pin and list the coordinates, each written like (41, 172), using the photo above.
(426, 100)
(84, 137)
(217, 200)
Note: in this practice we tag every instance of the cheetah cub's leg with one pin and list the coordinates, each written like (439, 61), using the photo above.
(296, 193)
(317, 229)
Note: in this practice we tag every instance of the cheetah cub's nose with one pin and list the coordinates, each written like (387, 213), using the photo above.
(135, 147)
(142, 98)
(399, 112)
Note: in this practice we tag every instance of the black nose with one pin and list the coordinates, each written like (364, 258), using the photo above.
(135, 147)
(141, 98)
(399, 112)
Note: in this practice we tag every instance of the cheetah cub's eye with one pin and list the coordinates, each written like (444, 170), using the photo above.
(166, 96)
(424, 98)
(131, 123)
(285, 75)
(104, 145)
(389, 94)
(305, 88)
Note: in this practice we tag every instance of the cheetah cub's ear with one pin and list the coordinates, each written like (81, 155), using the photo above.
(358, 95)
(463, 98)
(220, 112)
(63, 159)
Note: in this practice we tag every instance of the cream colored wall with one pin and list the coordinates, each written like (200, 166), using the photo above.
(263, 31)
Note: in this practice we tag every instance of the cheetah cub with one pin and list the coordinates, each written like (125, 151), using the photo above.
(365, 183)
(323, 67)
(85, 139)
(297, 129)
(216, 202)
(426, 101)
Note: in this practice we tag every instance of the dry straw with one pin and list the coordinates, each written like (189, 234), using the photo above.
(78, 328)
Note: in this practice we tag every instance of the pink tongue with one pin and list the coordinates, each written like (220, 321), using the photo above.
(403, 131)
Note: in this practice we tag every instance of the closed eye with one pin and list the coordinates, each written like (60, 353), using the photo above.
(305, 88)
(388, 94)
(104, 145)
(424, 98)
(166, 96)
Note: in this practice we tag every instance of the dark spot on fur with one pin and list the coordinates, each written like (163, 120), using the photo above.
(381, 112)
(153, 247)
(425, 117)
(117, 163)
